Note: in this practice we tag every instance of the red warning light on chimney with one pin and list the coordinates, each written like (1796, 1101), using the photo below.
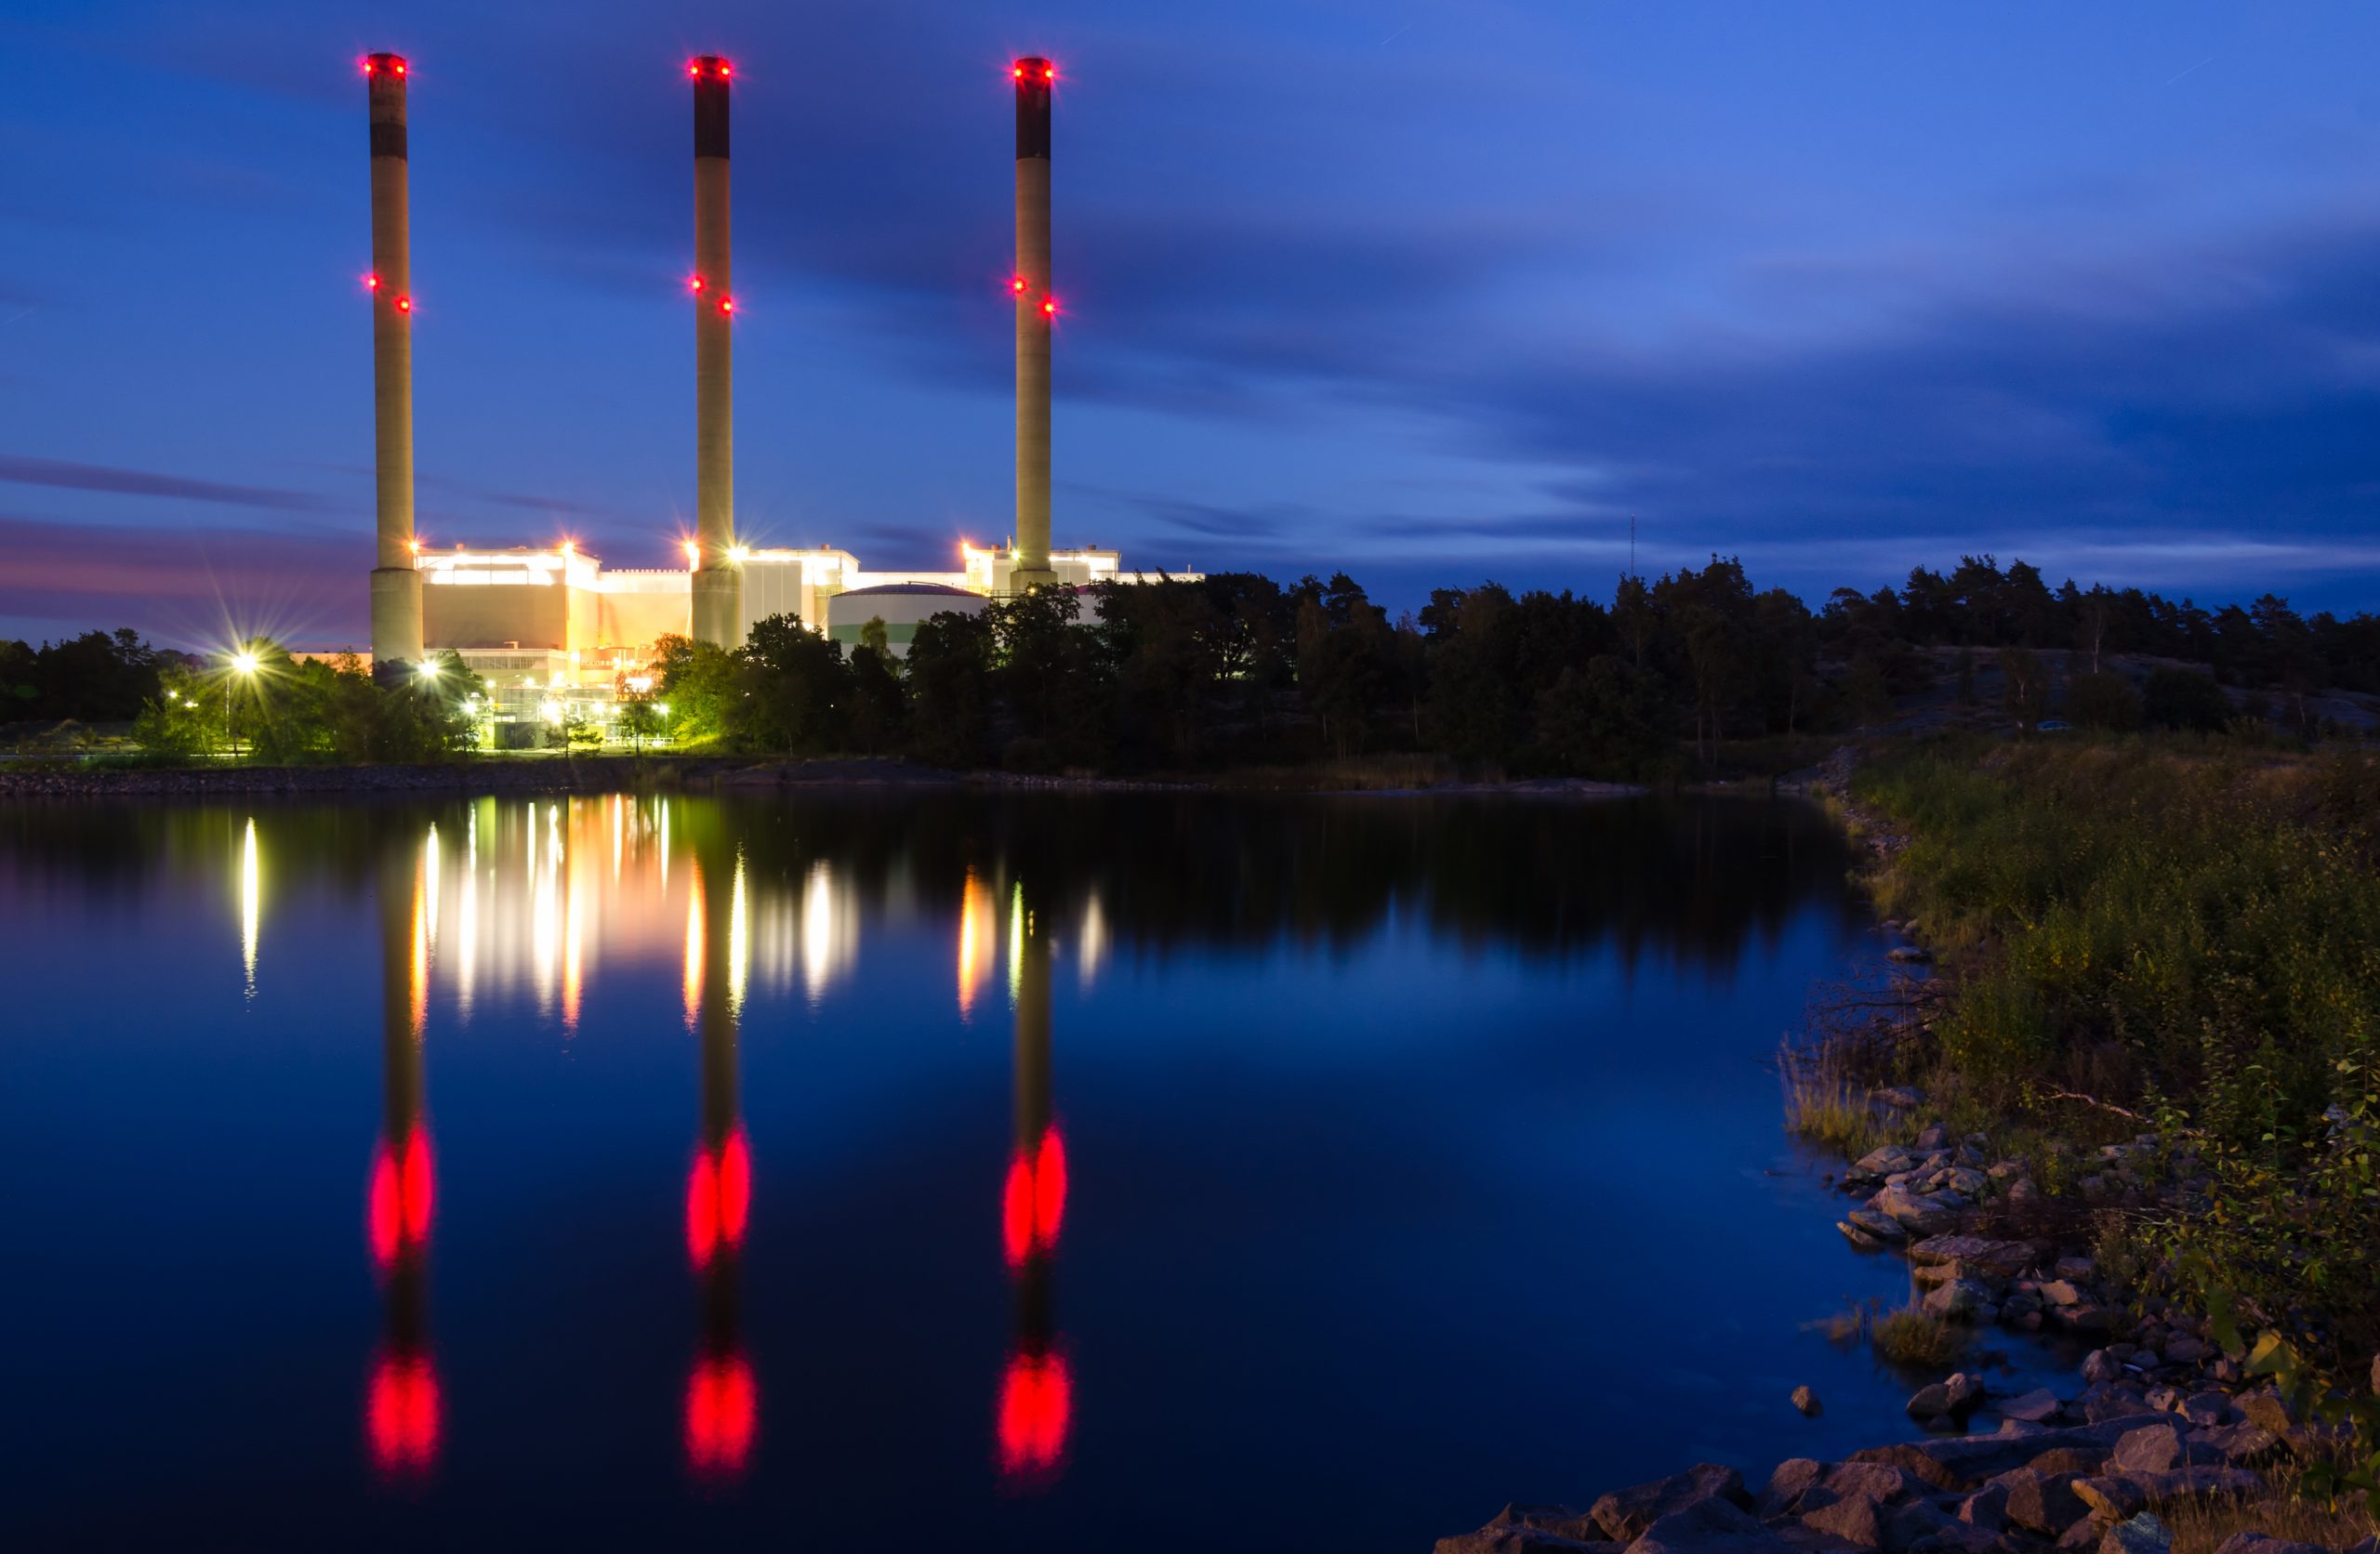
(404, 304)
(727, 305)
(1049, 306)
(372, 283)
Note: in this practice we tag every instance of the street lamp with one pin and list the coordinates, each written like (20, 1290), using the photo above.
(429, 669)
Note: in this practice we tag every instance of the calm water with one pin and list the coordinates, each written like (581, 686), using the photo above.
(1051, 1173)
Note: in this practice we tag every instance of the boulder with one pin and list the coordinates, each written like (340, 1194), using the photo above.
(1956, 1300)
(2245, 1444)
(1961, 1462)
(1909, 954)
(2264, 1410)
(1567, 1521)
(1974, 1254)
(2043, 1503)
(2187, 1351)
(2069, 1459)
(1521, 1540)
(2061, 1292)
(1889, 1160)
(1884, 1227)
(2035, 1407)
(2140, 1535)
(1786, 1485)
(2117, 1495)
(1712, 1525)
(1934, 1137)
(1807, 1401)
(1625, 1514)
(1987, 1509)
(2075, 1268)
(1917, 1212)
(2155, 1448)
(2205, 1409)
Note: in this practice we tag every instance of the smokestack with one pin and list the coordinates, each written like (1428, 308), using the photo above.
(396, 586)
(1036, 306)
(719, 591)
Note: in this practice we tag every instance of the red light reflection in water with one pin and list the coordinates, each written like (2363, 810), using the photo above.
(401, 1413)
(722, 1414)
(397, 1212)
(1033, 1200)
(1036, 1399)
(719, 1198)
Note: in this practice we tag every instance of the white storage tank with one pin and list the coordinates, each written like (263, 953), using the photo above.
(901, 606)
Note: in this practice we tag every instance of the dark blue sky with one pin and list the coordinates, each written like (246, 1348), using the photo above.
(1428, 290)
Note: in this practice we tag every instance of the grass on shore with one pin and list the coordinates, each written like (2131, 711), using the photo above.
(2144, 935)
(1905, 1337)
(2287, 1509)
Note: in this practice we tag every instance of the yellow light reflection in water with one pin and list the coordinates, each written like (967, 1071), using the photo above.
(694, 978)
(429, 881)
(1015, 943)
(739, 942)
(1094, 941)
(418, 988)
(467, 962)
(976, 933)
(251, 902)
(573, 927)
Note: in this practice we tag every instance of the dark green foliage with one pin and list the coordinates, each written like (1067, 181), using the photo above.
(1607, 719)
(98, 678)
(2104, 700)
(2183, 699)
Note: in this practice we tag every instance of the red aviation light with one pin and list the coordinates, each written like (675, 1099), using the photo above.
(1016, 72)
(401, 1413)
(694, 70)
(727, 305)
(718, 1199)
(1033, 1200)
(399, 67)
(693, 283)
(724, 69)
(1036, 1403)
(1017, 285)
(722, 1414)
(404, 304)
(398, 1211)
(372, 283)
(1049, 306)
(1049, 73)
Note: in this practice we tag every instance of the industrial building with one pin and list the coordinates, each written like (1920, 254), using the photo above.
(557, 636)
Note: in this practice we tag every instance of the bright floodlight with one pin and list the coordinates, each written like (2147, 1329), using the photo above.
(736, 553)
(429, 670)
(245, 662)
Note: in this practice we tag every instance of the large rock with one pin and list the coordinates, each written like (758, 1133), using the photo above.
(2043, 1503)
(2035, 1407)
(1806, 1402)
(2141, 1534)
(2150, 1449)
(1786, 1485)
(2242, 1445)
(2117, 1495)
(1521, 1540)
(1890, 1160)
(1531, 1530)
(1625, 1514)
(1884, 1227)
(1956, 1301)
(1961, 1462)
(1712, 1526)
(1974, 1253)
(1916, 1212)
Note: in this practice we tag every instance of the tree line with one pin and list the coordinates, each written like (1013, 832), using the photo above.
(1239, 669)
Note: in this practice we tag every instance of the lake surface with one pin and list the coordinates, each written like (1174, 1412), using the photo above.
(954, 1169)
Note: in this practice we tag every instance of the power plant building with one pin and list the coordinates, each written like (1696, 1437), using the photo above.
(552, 630)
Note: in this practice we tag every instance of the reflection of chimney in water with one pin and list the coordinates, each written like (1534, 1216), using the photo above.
(1037, 1390)
(401, 1410)
(722, 1399)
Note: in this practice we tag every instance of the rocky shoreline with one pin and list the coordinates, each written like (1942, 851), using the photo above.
(2163, 1421)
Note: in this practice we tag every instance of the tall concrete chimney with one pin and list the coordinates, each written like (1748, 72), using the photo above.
(719, 584)
(1036, 306)
(396, 586)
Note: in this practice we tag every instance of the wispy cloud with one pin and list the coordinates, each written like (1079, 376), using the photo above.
(20, 469)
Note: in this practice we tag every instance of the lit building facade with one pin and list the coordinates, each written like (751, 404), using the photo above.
(558, 637)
